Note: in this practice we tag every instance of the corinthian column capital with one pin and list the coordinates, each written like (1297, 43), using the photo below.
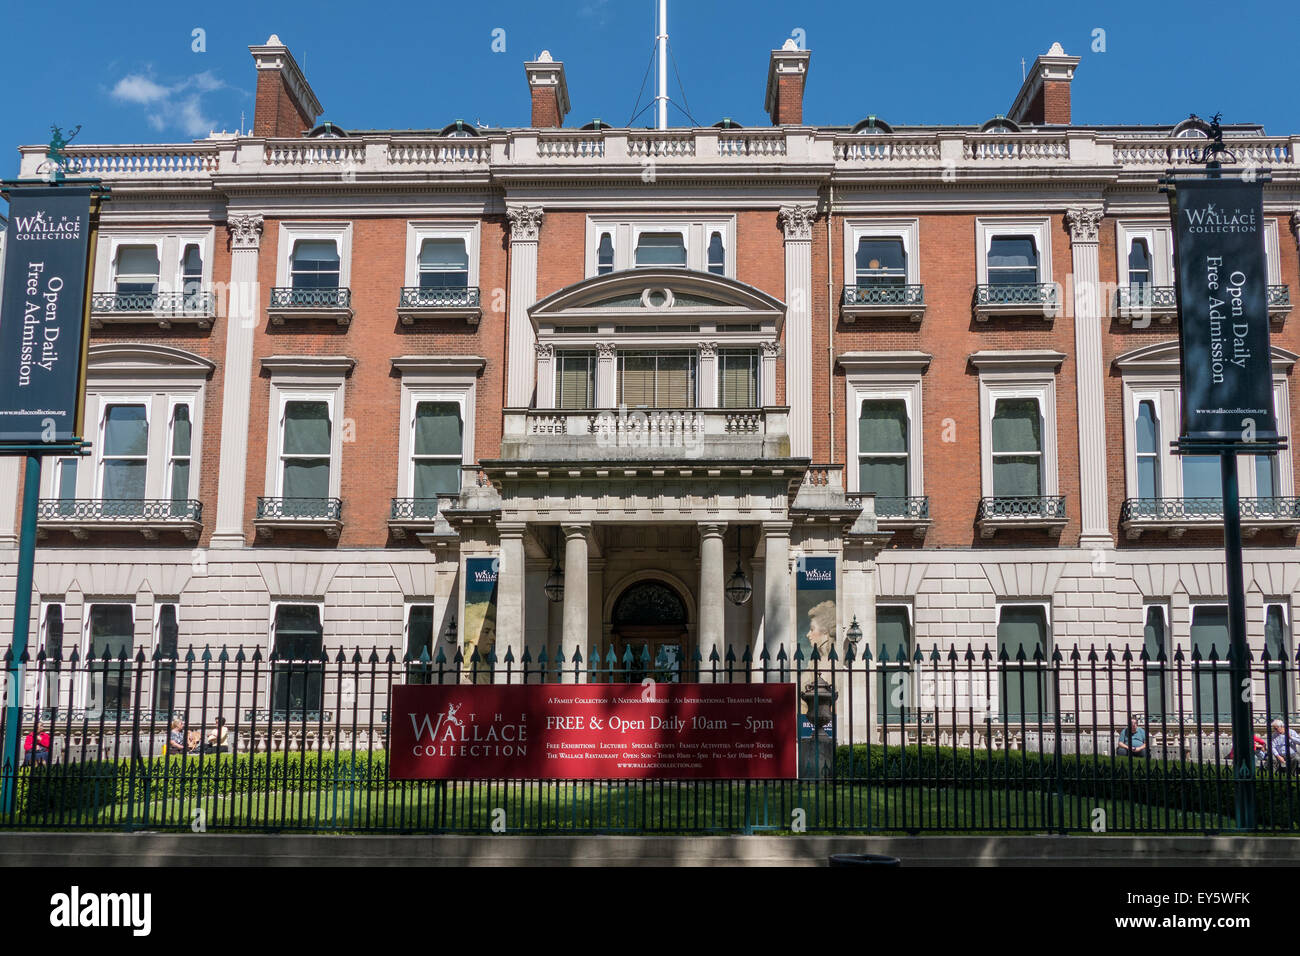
(525, 222)
(1084, 222)
(797, 221)
(245, 231)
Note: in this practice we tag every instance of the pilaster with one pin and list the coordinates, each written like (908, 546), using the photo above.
(797, 222)
(525, 228)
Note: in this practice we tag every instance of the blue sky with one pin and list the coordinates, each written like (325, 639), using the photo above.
(127, 71)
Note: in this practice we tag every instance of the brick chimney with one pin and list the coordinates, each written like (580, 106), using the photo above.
(285, 104)
(1044, 97)
(787, 75)
(549, 90)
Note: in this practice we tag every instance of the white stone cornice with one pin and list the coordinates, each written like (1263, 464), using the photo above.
(245, 231)
(797, 221)
(1084, 222)
(525, 222)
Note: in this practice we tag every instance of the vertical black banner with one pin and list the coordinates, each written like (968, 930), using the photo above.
(1226, 368)
(43, 314)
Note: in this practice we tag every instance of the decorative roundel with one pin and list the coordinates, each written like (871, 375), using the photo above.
(648, 302)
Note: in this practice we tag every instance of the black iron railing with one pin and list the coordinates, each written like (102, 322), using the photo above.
(901, 295)
(418, 509)
(1042, 294)
(916, 508)
(325, 509)
(1208, 509)
(155, 303)
(330, 298)
(119, 509)
(414, 297)
(1021, 506)
(1145, 298)
(985, 738)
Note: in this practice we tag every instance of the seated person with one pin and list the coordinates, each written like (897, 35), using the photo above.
(176, 737)
(219, 739)
(1285, 747)
(1132, 740)
(1261, 747)
(36, 746)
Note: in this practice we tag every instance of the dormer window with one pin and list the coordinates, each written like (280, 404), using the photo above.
(444, 264)
(661, 250)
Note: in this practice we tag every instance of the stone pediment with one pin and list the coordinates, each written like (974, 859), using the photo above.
(655, 294)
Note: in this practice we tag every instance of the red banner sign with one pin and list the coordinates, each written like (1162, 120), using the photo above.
(592, 731)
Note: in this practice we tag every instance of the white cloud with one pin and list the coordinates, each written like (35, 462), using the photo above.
(177, 105)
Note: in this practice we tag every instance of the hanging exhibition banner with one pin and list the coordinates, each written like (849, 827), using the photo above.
(1226, 367)
(815, 620)
(480, 627)
(593, 731)
(43, 314)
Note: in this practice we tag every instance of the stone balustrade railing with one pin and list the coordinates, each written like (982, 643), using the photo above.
(522, 149)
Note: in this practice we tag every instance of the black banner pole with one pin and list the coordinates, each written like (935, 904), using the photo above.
(1243, 748)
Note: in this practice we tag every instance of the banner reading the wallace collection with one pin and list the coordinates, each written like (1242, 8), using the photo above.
(1227, 376)
(43, 313)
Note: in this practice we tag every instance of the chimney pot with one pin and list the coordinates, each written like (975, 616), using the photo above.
(1044, 97)
(549, 91)
(787, 77)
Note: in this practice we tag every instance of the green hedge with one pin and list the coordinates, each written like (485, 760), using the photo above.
(1188, 787)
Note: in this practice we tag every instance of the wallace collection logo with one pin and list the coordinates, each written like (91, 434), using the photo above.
(450, 735)
(39, 226)
(1212, 220)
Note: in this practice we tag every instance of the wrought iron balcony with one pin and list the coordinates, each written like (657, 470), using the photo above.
(1279, 301)
(164, 308)
(323, 514)
(910, 512)
(416, 303)
(149, 516)
(327, 303)
(1146, 301)
(1176, 515)
(883, 300)
(420, 515)
(1029, 298)
(1020, 511)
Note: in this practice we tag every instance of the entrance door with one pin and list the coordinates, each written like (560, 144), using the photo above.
(650, 633)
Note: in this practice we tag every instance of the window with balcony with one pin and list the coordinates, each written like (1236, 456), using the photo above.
(1279, 692)
(575, 379)
(884, 449)
(1017, 448)
(444, 264)
(661, 250)
(137, 270)
(192, 273)
(605, 254)
(1024, 651)
(305, 452)
(738, 378)
(110, 649)
(178, 464)
(881, 262)
(314, 265)
(167, 646)
(124, 455)
(1147, 431)
(297, 674)
(1212, 690)
(436, 449)
(1139, 262)
(1013, 260)
(717, 254)
(894, 649)
(657, 379)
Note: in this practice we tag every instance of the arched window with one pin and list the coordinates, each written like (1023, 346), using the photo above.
(605, 255)
(648, 603)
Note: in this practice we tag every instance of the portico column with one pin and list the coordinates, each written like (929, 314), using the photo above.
(575, 589)
(510, 597)
(778, 611)
(712, 629)
(797, 222)
(243, 302)
(525, 228)
(1084, 223)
